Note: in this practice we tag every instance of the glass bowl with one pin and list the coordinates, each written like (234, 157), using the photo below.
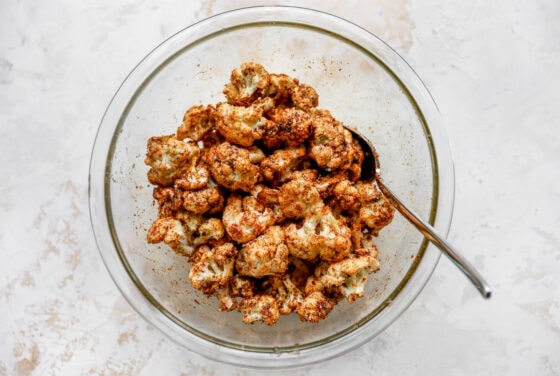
(363, 82)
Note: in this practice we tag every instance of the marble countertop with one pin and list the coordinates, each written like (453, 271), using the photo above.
(492, 67)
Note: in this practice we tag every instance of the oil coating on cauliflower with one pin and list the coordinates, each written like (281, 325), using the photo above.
(247, 83)
(332, 145)
(260, 308)
(232, 167)
(288, 126)
(214, 269)
(265, 255)
(245, 218)
(197, 121)
(170, 158)
(243, 125)
(321, 235)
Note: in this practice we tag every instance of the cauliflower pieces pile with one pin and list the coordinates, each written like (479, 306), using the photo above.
(263, 194)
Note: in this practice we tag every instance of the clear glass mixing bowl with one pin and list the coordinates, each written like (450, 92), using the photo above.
(363, 82)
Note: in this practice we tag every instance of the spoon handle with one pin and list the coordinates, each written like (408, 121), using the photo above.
(430, 233)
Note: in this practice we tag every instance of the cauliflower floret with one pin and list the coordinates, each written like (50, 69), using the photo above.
(298, 198)
(231, 167)
(325, 184)
(321, 235)
(189, 229)
(265, 255)
(304, 97)
(236, 288)
(269, 198)
(260, 308)
(377, 214)
(198, 120)
(247, 83)
(299, 270)
(243, 125)
(170, 200)
(245, 218)
(279, 165)
(205, 200)
(195, 177)
(351, 196)
(171, 232)
(280, 88)
(214, 269)
(349, 276)
(332, 145)
(185, 232)
(314, 307)
(288, 126)
(284, 290)
(209, 229)
(170, 158)
(366, 201)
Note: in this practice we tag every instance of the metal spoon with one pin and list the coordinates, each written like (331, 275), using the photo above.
(371, 170)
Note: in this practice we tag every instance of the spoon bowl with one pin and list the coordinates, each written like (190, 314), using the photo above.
(371, 171)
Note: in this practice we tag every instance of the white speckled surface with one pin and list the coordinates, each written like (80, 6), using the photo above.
(492, 67)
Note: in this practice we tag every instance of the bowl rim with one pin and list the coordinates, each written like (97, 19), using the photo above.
(272, 357)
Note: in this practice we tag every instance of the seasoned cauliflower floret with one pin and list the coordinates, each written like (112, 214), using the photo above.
(314, 307)
(321, 235)
(209, 229)
(265, 255)
(185, 231)
(260, 308)
(247, 83)
(288, 126)
(349, 276)
(170, 158)
(269, 198)
(351, 196)
(280, 88)
(304, 97)
(281, 163)
(332, 145)
(206, 200)
(198, 120)
(214, 269)
(171, 232)
(170, 200)
(286, 293)
(377, 214)
(366, 199)
(245, 218)
(231, 167)
(298, 198)
(243, 125)
(238, 287)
